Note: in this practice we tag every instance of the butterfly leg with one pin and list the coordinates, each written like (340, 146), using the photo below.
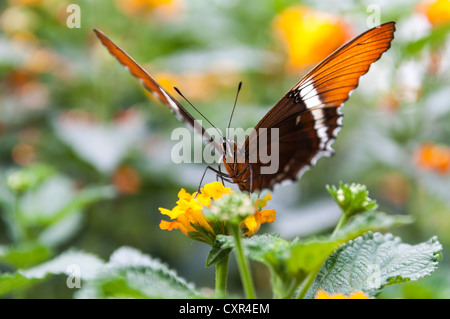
(218, 166)
(218, 172)
(249, 166)
(252, 178)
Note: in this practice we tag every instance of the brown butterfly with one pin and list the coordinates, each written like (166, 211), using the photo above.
(306, 119)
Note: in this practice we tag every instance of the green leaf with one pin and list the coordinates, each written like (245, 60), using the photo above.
(290, 261)
(373, 261)
(56, 198)
(372, 221)
(24, 255)
(434, 39)
(13, 282)
(307, 255)
(131, 274)
(217, 254)
(257, 246)
(86, 266)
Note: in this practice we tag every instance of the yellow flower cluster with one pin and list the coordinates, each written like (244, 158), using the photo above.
(188, 216)
(322, 294)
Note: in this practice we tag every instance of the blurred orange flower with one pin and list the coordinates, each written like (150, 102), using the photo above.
(25, 2)
(28, 91)
(23, 154)
(395, 188)
(431, 156)
(165, 8)
(322, 294)
(437, 11)
(127, 180)
(199, 86)
(309, 35)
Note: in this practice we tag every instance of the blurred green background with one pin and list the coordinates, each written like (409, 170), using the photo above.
(85, 152)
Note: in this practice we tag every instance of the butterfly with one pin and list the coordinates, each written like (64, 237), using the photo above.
(306, 119)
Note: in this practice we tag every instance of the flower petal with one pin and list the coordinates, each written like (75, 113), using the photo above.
(266, 216)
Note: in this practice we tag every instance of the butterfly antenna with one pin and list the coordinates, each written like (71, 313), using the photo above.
(235, 101)
(178, 91)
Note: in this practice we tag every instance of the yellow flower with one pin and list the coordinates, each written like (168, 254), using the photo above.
(322, 294)
(309, 35)
(188, 215)
(436, 11)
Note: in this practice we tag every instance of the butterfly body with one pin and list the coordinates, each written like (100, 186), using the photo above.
(302, 125)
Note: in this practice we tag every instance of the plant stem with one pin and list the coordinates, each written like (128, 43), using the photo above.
(243, 265)
(342, 221)
(307, 282)
(221, 277)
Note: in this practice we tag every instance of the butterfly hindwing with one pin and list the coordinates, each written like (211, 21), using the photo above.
(308, 117)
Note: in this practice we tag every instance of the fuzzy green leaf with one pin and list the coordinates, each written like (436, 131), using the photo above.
(131, 274)
(86, 264)
(71, 263)
(372, 221)
(257, 246)
(373, 261)
(309, 254)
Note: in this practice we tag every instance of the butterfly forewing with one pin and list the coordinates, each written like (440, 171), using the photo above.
(308, 117)
(151, 85)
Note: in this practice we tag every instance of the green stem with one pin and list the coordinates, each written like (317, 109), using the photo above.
(342, 221)
(307, 282)
(12, 220)
(221, 277)
(243, 265)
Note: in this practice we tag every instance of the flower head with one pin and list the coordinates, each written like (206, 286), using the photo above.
(352, 198)
(203, 216)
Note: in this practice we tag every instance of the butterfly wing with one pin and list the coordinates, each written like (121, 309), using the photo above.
(308, 117)
(155, 88)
